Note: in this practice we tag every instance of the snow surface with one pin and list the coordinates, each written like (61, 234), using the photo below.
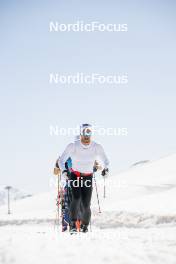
(137, 223)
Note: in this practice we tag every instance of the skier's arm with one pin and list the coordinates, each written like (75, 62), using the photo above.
(101, 154)
(66, 154)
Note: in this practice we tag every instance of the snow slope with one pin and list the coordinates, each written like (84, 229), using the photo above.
(137, 223)
(143, 195)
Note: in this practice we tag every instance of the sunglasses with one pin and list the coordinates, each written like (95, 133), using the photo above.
(87, 133)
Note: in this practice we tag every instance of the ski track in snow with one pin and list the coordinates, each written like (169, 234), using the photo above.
(107, 220)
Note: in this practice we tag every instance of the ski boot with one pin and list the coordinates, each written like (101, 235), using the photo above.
(73, 228)
(84, 228)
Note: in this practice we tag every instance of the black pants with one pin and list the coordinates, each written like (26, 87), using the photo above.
(81, 193)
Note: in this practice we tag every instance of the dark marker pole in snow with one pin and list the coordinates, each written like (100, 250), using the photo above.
(8, 197)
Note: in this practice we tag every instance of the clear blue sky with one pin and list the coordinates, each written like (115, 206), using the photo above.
(29, 105)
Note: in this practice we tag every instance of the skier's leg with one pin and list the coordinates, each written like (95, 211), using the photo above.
(75, 198)
(86, 194)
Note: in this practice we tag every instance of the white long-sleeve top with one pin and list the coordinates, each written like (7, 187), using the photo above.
(83, 156)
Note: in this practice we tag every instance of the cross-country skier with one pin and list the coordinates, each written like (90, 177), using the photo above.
(83, 154)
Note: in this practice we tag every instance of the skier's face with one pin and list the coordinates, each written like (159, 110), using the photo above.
(86, 136)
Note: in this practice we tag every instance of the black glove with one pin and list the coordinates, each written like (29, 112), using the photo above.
(105, 172)
(57, 164)
(67, 173)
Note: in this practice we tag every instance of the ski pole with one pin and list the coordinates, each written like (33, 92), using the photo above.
(90, 224)
(104, 195)
(58, 197)
(97, 192)
(57, 203)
